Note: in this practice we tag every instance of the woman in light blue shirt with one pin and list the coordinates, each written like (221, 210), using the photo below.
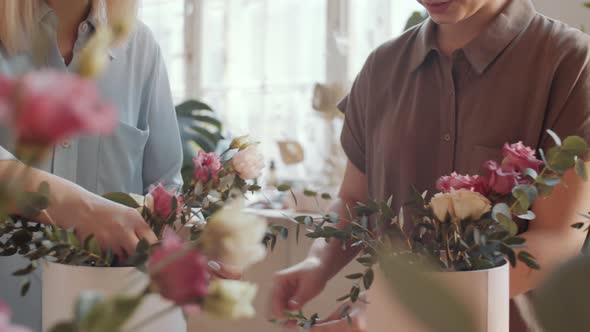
(145, 148)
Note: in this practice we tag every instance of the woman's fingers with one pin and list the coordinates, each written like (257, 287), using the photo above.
(223, 271)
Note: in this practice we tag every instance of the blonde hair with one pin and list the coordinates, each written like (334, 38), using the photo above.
(18, 26)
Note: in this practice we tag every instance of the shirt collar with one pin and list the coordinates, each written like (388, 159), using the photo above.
(486, 47)
(96, 18)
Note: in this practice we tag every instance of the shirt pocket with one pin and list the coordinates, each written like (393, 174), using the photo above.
(479, 155)
(121, 160)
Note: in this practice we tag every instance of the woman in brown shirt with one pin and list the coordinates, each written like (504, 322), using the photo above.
(445, 96)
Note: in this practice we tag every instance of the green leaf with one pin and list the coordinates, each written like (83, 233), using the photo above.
(587, 4)
(555, 137)
(25, 286)
(575, 145)
(187, 107)
(509, 253)
(284, 187)
(122, 198)
(529, 260)
(309, 193)
(515, 241)
(326, 196)
(354, 293)
(578, 225)
(25, 271)
(143, 246)
(581, 170)
(368, 278)
(531, 173)
(561, 160)
(508, 224)
(354, 276)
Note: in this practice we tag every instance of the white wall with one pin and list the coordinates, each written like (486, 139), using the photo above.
(569, 11)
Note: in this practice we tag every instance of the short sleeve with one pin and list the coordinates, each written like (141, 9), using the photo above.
(569, 105)
(354, 106)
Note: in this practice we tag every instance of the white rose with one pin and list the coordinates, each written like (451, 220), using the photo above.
(470, 204)
(234, 237)
(230, 299)
(460, 205)
(248, 163)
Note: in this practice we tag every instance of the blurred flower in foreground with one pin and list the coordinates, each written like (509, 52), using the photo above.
(5, 325)
(48, 106)
(234, 237)
(230, 299)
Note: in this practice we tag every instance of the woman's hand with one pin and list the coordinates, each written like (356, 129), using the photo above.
(338, 323)
(113, 225)
(224, 271)
(295, 286)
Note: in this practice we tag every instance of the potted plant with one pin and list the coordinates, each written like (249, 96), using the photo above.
(88, 288)
(463, 237)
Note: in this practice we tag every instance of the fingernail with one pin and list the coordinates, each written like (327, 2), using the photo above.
(214, 266)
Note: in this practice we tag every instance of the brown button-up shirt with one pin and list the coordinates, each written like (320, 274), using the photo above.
(414, 114)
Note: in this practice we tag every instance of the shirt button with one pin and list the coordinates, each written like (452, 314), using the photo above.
(84, 27)
(447, 137)
(66, 144)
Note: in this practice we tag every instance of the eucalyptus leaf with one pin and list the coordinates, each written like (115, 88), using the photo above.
(508, 224)
(575, 145)
(122, 198)
(555, 137)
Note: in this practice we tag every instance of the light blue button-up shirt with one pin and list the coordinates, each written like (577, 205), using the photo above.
(145, 148)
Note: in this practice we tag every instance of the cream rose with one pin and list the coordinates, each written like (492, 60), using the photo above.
(248, 163)
(234, 237)
(230, 299)
(460, 205)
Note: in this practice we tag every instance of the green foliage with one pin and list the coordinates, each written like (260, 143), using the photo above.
(123, 199)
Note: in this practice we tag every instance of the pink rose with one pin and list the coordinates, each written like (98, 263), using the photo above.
(207, 166)
(520, 157)
(248, 163)
(502, 178)
(162, 204)
(5, 325)
(456, 181)
(179, 274)
(48, 106)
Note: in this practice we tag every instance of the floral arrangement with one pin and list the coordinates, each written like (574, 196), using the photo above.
(470, 224)
(203, 222)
